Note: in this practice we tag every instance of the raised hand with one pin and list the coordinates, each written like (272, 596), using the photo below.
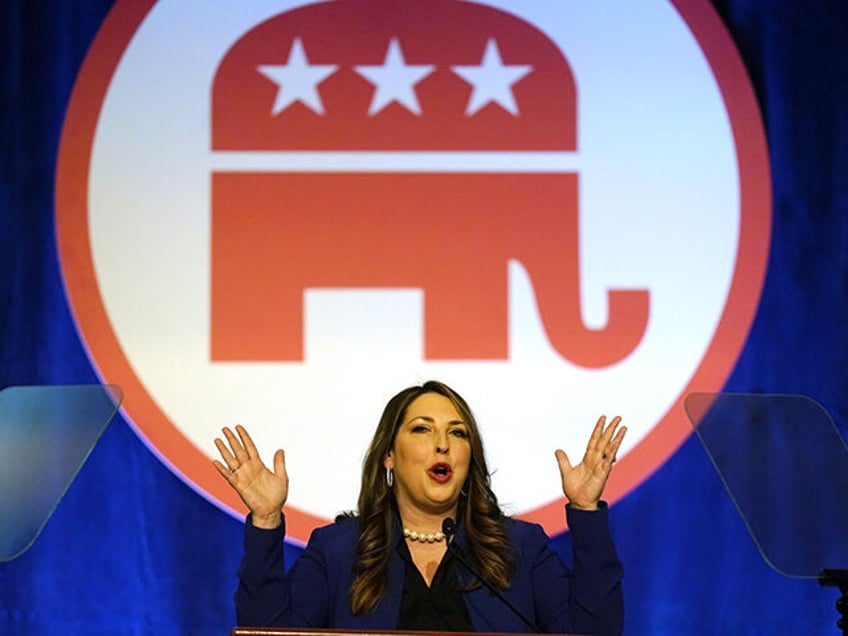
(584, 483)
(263, 492)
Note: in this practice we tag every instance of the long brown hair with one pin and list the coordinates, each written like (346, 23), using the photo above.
(478, 507)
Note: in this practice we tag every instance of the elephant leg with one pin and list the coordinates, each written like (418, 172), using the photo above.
(466, 316)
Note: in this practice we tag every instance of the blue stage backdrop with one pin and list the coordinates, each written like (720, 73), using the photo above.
(133, 549)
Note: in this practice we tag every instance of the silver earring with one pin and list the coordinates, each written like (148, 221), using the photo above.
(390, 477)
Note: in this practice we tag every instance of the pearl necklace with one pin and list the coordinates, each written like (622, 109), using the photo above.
(423, 537)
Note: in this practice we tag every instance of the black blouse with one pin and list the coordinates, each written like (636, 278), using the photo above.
(440, 607)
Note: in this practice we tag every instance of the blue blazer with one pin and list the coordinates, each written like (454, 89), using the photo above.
(586, 599)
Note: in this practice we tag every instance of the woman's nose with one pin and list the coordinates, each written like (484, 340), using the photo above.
(442, 445)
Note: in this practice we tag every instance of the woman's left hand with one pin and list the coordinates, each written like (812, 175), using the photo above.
(584, 483)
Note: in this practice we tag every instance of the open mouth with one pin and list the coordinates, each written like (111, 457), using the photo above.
(440, 472)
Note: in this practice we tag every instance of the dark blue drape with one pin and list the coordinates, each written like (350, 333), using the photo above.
(132, 550)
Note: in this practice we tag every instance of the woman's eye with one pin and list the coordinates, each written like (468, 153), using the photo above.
(419, 429)
(460, 432)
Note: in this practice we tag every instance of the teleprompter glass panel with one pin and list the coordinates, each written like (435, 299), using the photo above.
(785, 465)
(46, 434)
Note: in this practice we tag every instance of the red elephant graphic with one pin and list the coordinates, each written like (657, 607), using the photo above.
(322, 222)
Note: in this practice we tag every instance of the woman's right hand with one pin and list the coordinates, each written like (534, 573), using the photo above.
(263, 492)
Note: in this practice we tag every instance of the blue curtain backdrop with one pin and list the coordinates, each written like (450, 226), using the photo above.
(132, 550)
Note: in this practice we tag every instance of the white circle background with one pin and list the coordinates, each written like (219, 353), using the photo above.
(659, 210)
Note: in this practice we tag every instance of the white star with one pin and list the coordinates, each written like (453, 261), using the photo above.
(492, 81)
(298, 80)
(395, 81)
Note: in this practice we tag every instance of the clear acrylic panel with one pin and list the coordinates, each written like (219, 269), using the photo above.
(46, 434)
(785, 466)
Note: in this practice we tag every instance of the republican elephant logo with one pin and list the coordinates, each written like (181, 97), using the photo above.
(555, 206)
(381, 158)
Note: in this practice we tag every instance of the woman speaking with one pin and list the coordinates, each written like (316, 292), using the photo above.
(428, 548)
